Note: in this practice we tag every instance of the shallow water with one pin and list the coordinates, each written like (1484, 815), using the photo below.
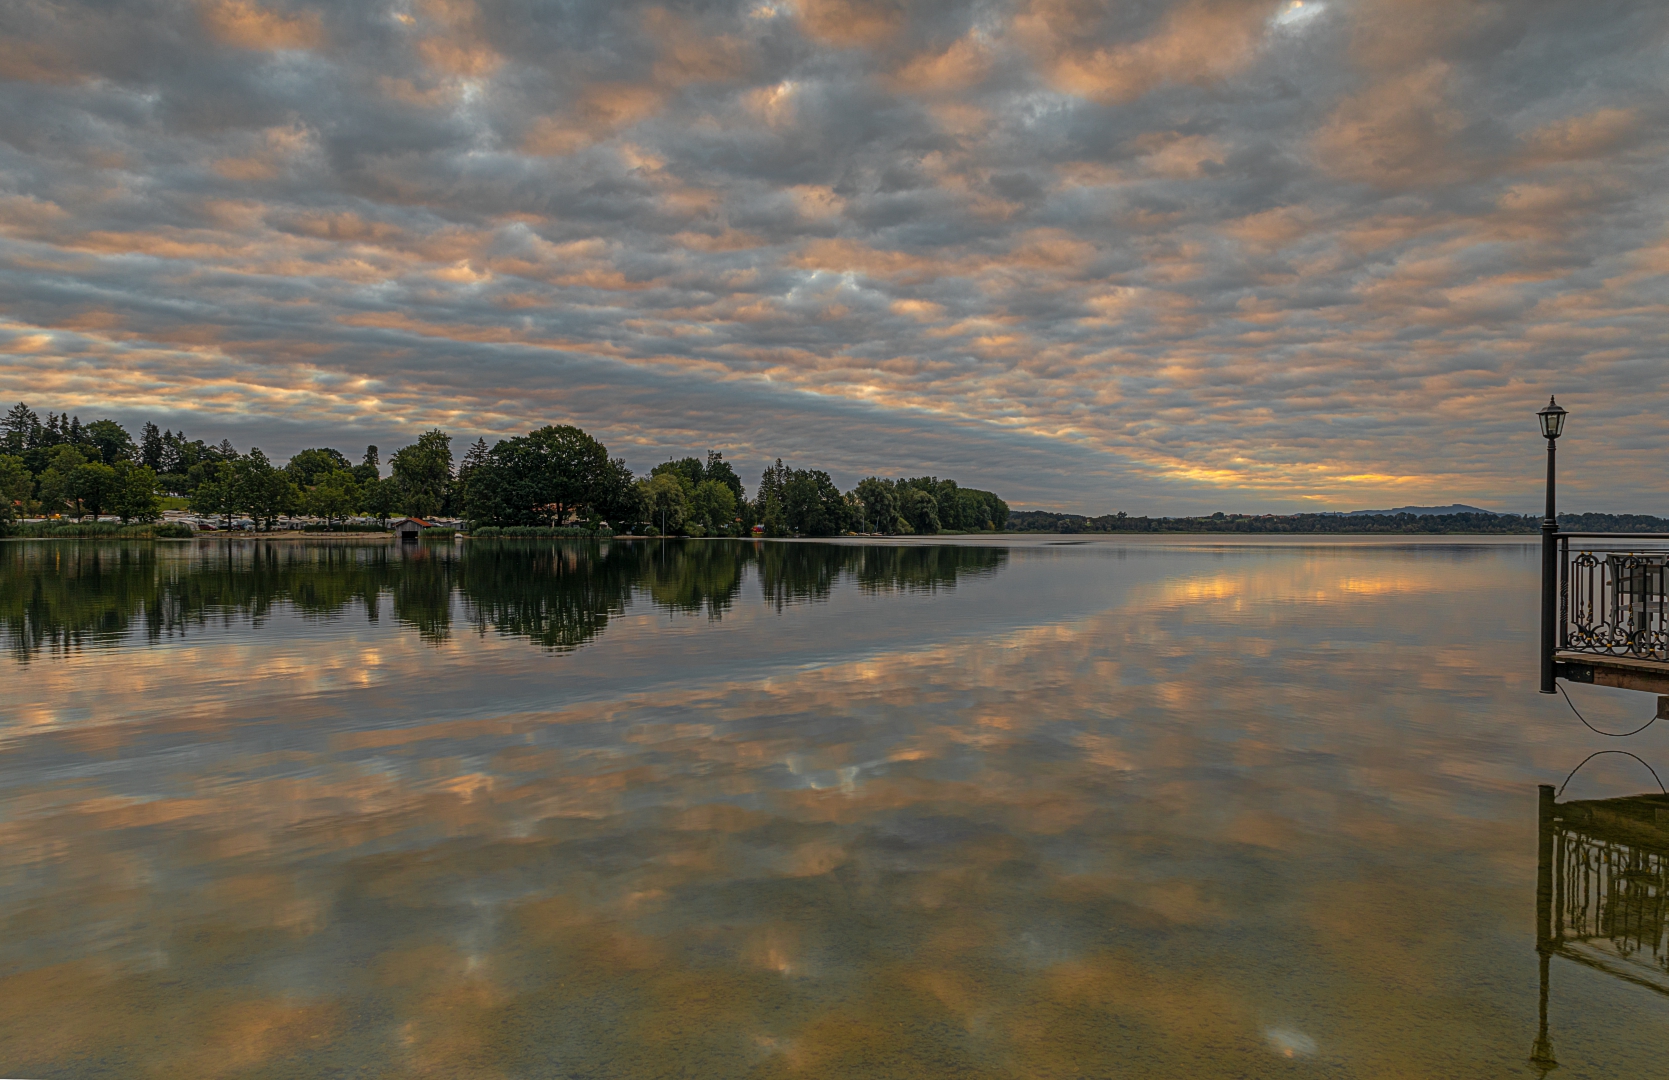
(713, 809)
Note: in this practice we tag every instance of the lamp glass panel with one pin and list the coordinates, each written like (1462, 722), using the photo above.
(1552, 421)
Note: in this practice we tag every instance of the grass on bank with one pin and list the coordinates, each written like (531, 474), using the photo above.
(51, 530)
(486, 532)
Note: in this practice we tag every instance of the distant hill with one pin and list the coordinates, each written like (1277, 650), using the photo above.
(1422, 511)
(1407, 520)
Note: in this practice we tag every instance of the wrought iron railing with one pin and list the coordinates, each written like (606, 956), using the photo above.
(1614, 601)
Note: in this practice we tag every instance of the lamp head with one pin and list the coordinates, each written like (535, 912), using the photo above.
(1552, 419)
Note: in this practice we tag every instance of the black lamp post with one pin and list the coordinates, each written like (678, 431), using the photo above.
(1553, 425)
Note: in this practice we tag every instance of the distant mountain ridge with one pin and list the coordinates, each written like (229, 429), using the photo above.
(1422, 511)
(1406, 520)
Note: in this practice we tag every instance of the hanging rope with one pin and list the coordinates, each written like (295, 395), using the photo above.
(1597, 731)
(1596, 754)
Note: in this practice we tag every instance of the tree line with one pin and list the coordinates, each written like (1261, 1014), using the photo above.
(68, 468)
(552, 476)
(1046, 521)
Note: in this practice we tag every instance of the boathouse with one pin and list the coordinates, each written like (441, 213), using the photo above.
(408, 529)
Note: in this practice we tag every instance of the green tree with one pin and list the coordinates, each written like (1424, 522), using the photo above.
(16, 487)
(547, 476)
(768, 503)
(479, 455)
(216, 492)
(150, 447)
(111, 440)
(615, 495)
(695, 472)
(334, 497)
(719, 469)
(306, 467)
(265, 492)
(803, 501)
(94, 485)
(369, 469)
(689, 470)
(136, 496)
(57, 480)
(664, 501)
(877, 505)
(713, 504)
(813, 505)
(379, 498)
(918, 508)
(18, 430)
(423, 473)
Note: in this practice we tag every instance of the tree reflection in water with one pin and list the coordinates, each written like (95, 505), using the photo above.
(62, 596)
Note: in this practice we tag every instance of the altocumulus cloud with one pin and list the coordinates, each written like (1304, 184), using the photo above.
(1165, 256)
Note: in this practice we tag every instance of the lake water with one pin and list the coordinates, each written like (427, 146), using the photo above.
(1135, 808)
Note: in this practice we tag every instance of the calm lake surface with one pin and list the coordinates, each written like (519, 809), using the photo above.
(1144, 808)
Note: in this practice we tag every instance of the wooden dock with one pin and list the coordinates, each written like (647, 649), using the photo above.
(1623, 672)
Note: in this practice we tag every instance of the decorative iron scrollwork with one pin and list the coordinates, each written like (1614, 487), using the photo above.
(1615, 603)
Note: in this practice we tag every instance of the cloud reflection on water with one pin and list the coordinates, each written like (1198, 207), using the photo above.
(1152, 812)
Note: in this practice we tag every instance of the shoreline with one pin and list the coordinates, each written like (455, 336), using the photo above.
(1006, 539)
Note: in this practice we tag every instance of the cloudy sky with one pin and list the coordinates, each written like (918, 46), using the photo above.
(1159, 256)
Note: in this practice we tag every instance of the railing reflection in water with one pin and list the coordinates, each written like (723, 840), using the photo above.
(1602, 892)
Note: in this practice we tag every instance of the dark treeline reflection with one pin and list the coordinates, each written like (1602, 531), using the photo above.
(62, 596)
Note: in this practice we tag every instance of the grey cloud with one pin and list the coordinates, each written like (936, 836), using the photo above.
(1341, 266)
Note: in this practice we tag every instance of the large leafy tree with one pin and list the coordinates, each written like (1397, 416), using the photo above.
(664, 499)
(713, 505)
(695, 472)
(334, 497)
(216, 492)
(803, 501)
(877, 505)
(111, 440)
(135, 496)
(423, 473)
(689, 470)
(813, 505)
(264, 492)
(57, 479)
(379, 498)
(545, 477)
(308, 466)
(719, 470)
(919, 508)
(95, 485)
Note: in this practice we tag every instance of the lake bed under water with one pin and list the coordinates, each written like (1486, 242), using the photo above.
(1160, 806)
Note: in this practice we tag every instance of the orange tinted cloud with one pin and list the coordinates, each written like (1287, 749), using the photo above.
(851, 22)
(1194, 251)
(244, 24)
(1198, 42)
